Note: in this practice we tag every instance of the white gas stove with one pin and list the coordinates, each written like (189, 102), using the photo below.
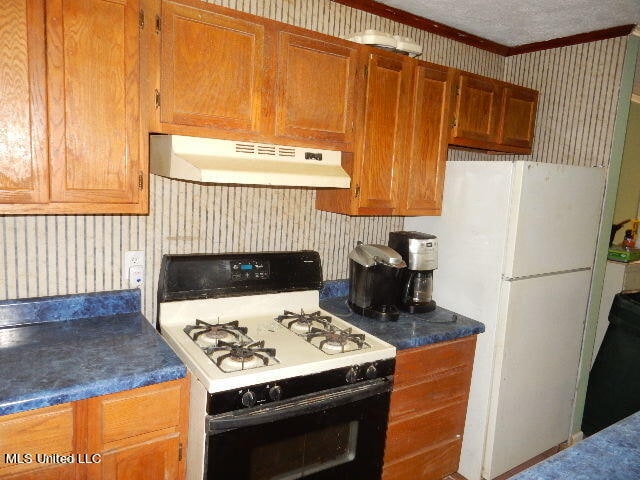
(279, 388)
(238, 341)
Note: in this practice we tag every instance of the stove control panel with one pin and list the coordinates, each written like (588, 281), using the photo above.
(242, 271)
(281, 390)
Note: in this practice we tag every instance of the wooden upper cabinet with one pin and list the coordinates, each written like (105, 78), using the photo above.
(491, 115)
(378, 175)
(23, 147)
(401, 140)
(427, 142)
(476, 108)
(315, 87)
(212, 68)
(517, 116)
(93, 80)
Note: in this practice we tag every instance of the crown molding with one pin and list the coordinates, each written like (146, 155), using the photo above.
(406, 18)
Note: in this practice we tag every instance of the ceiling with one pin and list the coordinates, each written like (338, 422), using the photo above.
(514, 23)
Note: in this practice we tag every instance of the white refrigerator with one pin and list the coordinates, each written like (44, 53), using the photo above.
(516, 247)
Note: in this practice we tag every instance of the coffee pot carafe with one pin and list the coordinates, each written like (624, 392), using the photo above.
(374, 272)
(420, 252)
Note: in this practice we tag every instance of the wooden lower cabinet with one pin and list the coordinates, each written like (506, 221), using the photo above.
(428, 410)
(153, 460)
(130, 435)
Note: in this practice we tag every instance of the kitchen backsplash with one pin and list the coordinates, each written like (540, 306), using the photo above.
(52, 255)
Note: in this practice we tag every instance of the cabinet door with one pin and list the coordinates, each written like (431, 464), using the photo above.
(425, 162)
(25, 436)
(517, 116)
(51, 472)
(154, 460)
(211, 69)
(315, 88)
(476, 110)
(93, 69)
(382, 145)
(23, 150)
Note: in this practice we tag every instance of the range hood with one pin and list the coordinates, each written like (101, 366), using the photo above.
(209, 160)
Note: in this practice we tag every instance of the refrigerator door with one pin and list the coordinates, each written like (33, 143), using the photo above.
(472, 233)
(555, 213)
(537, 352)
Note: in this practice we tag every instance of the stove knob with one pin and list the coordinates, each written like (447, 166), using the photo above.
(275, 393)
(372, 372)
(248, 398)
(352, 375)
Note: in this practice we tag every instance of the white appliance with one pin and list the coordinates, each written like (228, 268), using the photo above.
(211, 160)
(277, 384)
(517, 243)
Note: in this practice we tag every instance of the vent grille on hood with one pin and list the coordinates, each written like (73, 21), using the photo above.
(223, 161)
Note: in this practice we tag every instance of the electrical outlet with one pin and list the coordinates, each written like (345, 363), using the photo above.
(133, 268)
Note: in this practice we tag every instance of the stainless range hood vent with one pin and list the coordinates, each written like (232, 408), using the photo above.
(223, 161)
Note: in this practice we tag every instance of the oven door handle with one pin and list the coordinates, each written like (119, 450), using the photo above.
(302, 405)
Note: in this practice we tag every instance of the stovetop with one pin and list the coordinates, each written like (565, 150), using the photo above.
(233, 342)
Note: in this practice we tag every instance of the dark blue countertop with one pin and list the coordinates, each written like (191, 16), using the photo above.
(411, 330)
(611, 454)
(60, 349)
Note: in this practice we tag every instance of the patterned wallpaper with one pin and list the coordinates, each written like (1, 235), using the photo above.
(52, 255)
(578, 88)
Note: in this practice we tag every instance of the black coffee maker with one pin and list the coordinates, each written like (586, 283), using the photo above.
(420, 252)
(374, 273)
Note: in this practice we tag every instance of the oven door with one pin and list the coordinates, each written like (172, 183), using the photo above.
(337, 434)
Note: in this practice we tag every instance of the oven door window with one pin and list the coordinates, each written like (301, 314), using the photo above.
(339, 443)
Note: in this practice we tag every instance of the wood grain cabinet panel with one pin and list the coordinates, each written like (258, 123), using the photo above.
(140, 433)
(36, 432)
(491, 115)
(424, 164)
(212, 68)
(517, 116)
(381, 150)
(153, 460)
(401, 140)
(428, 410)
(23, 147)
(476, 109)
(70, 137)
(315, 89)
(431, 464)
(93, 79)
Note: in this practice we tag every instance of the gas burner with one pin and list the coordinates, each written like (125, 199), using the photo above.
(232, 357)
(213, 334)
(335, 340)
(302, 323)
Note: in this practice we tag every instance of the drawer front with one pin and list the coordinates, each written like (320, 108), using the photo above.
(412, 365)
(423, 431)
(137, 412)
(431, 464)
(436, 392)
(43, 431)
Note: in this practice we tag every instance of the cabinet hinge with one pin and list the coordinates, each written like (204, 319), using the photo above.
(366, 71)
(454, 123)
(179, 451)
(458, 91)
(140, 180)
(141, 19)
(157, 98)
(356, 193)
(158, 24)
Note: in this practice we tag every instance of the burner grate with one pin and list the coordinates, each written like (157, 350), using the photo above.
(336, 340)
(302, 322)
(212, 333)
(231, 357)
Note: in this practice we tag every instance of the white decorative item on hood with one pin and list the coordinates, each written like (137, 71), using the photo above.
(384, 40)
(209, 160)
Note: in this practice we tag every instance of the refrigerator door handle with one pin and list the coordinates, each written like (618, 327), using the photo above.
(549, 274)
